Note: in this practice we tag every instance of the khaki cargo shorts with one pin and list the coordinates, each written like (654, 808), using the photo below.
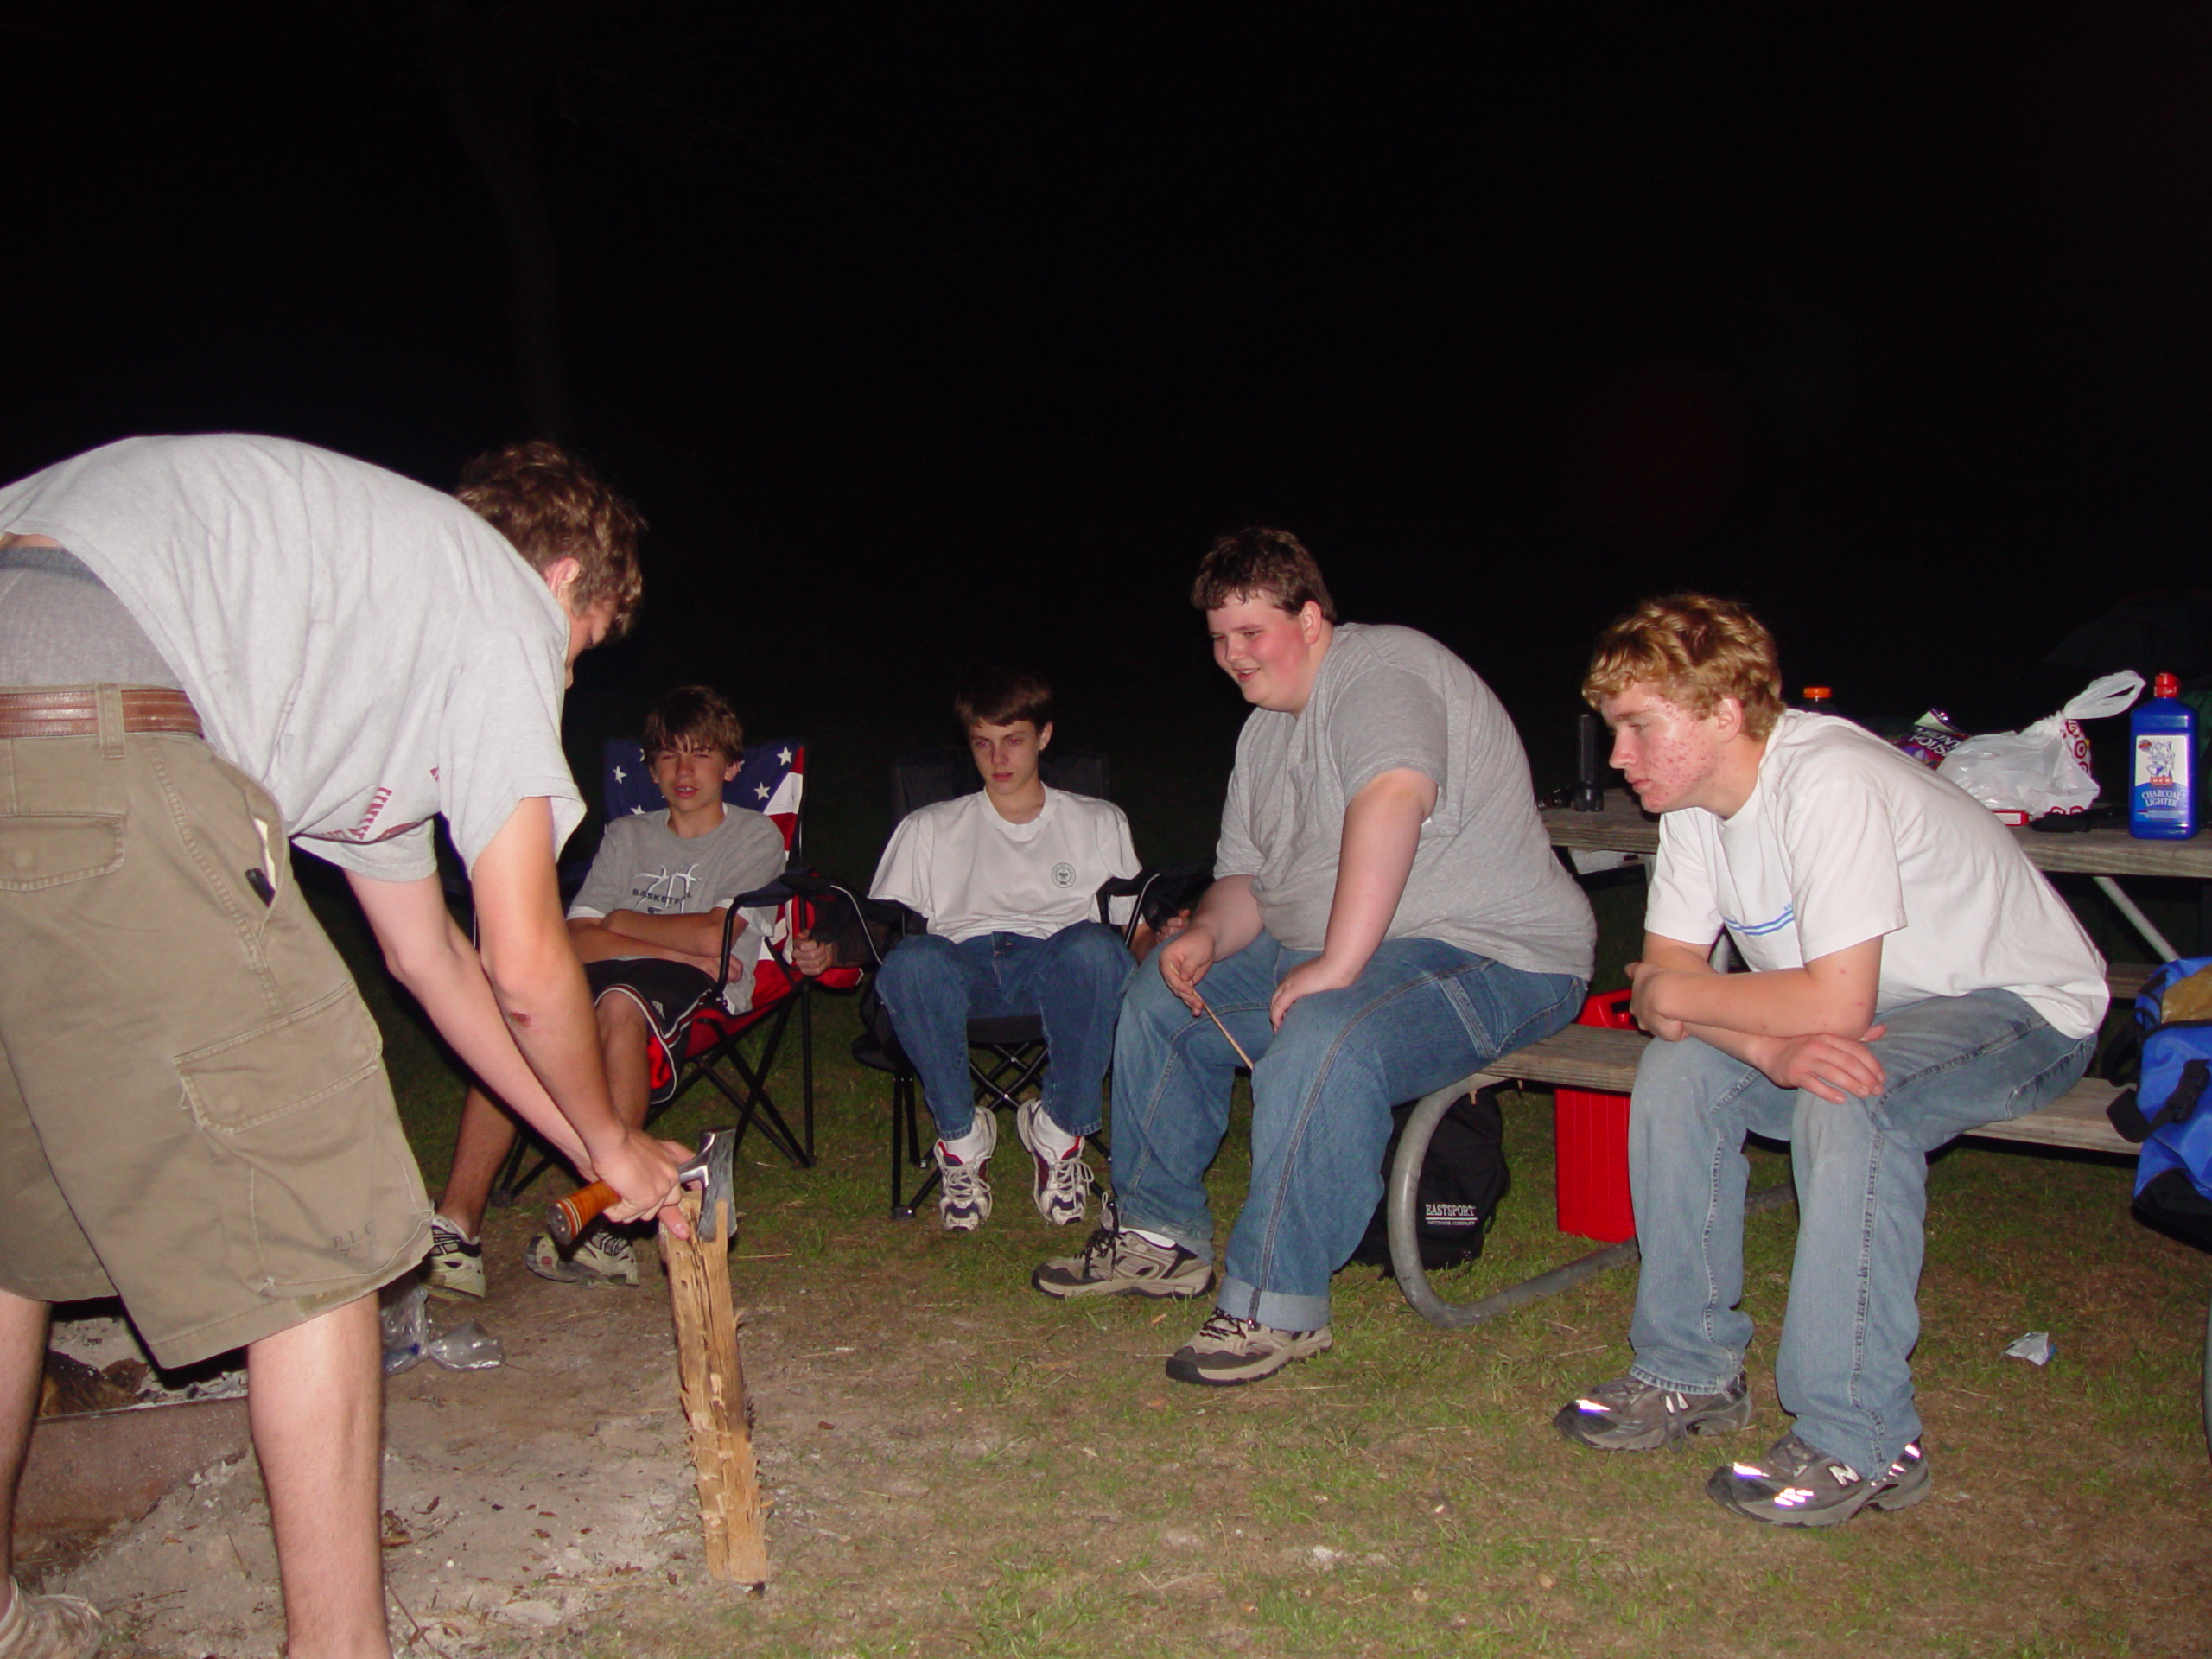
(193, 1111)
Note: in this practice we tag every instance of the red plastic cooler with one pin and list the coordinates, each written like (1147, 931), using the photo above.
(1591, 1130)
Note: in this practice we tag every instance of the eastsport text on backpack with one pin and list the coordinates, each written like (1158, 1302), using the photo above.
(2168, 1051)
(1462, 1179)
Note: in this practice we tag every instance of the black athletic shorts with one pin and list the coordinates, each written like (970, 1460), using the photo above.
(667, 991)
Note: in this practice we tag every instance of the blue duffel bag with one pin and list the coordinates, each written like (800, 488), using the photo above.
(2168, 1051)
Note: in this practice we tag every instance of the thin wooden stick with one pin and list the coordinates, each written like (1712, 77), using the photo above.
(1233, 1043)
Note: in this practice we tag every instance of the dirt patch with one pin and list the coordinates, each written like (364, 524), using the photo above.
(515, 1498)
(958, 1466)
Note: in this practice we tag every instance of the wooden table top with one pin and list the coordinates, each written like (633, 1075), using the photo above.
(1623, 827)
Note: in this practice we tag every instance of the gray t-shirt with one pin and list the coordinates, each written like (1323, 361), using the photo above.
(59, 625)
(369, 649)
(644, 865)
(1483, 877)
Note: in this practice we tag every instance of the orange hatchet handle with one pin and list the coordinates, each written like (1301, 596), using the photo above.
(568, 1218)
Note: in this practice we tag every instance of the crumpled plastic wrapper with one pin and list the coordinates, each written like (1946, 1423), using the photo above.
(2036, 1348)
(407, 1341)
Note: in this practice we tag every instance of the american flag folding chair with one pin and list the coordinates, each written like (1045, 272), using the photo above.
(734, 1054)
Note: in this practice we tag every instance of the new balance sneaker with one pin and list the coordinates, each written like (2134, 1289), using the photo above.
(1797, 1485)
(1118, 1262)
(1060, 1181)
(48, 1627)
(1627, 1414)
(1228, 1350)
(455, 1266)
(965, 1203)
(600, 1257)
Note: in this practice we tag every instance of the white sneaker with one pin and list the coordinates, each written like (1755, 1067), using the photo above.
(455, 1266)
(600, 1257)
(964, 1204)
(1060, 1181)
(48, 1627)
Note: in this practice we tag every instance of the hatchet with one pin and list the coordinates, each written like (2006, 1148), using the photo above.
(708, 1168)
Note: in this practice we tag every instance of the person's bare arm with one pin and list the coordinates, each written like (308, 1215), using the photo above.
(1226, 920)
(1679, 995)
(1382, 832)
(1834, 994)
(524, 945)
(595, 942)
(435, 961)
(697, 934)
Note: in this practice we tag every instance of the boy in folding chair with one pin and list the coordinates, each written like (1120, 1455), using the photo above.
(1007, 880)
(647, 926)
(211, 647)
(1913, 976)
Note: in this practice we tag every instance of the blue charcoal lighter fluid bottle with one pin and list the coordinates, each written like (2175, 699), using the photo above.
(2162, 773)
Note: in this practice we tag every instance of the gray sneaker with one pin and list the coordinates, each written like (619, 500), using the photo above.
(1060, 1182)
(455, 1266)
(1228, 1350)
(600, 1257)
(1115, 1262)
(1629, 1415)
(48, 1627)
(964, 1202)
(1797, 1485)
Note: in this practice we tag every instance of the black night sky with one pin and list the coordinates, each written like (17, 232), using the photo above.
(956, 333)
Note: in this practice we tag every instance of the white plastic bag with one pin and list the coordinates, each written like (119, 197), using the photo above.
(2046, 767)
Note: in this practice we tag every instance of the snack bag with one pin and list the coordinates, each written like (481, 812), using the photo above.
(1932, 737)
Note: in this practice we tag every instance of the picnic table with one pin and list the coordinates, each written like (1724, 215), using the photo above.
(1585, 1056)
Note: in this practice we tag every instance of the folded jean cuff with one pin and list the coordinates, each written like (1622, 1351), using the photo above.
(1673, 1385)
(1276, 1309)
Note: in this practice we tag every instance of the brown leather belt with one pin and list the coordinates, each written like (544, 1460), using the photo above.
(72, 711)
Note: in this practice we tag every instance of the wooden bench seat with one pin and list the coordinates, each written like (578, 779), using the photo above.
(1590, 1057)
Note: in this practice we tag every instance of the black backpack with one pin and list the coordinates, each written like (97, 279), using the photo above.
(1462, 1181)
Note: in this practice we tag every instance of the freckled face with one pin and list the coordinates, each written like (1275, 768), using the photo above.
(1671, 758)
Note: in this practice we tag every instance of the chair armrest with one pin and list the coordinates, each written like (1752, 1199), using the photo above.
(861, 929)
(1160, 890)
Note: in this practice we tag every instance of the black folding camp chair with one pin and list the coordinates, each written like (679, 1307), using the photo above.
(1007, 1054)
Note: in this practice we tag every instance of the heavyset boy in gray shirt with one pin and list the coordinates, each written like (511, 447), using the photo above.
(1484, 878)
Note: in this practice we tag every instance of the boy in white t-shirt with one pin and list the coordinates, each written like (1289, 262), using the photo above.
(1912, 977)
(647, 924)
(1007, 878)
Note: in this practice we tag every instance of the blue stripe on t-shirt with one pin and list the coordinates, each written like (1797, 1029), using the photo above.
(1758, 930)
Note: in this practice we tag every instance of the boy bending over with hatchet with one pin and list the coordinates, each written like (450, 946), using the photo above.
(211, 647)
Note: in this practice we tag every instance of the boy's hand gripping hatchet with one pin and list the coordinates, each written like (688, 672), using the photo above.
(708, 1168)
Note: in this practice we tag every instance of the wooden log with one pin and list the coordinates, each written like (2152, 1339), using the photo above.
(712, 1379)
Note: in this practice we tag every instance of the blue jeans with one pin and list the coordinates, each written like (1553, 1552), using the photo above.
(1073, 980)
(1861, 1170)
(1423, 1013)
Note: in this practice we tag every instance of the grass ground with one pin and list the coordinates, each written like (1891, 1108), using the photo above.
(962, 1467)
